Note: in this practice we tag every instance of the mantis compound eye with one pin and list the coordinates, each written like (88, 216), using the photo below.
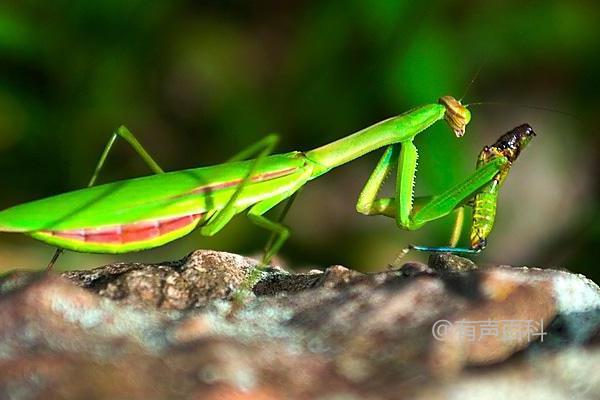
(457, 116)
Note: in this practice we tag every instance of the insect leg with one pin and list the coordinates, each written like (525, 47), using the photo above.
(125, 134)
(279, 231)
(405, 184)
(459, 220)
(401, 206)
(286, 209)
(253, 149)
(368, 203)
(247, 153)
(223, 216)
(443, 204)
(455, 197)
(430, 208)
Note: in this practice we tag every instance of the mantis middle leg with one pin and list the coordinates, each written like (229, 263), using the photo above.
(223, 216)
(279, 231)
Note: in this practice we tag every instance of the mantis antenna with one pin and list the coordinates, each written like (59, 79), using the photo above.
(497, 103)
(519, 105)
(475, 76)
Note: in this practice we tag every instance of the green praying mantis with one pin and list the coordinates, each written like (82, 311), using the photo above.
(143, 213)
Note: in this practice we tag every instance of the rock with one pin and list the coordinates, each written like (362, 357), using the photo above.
(447, 262)
(193, 281)
(175, 330)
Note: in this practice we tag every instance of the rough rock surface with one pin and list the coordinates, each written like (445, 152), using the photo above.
(181, 330)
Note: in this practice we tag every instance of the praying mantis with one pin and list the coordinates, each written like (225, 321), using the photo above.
(143, 213)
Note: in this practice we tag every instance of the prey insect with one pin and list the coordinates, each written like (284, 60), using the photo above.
(143, 213)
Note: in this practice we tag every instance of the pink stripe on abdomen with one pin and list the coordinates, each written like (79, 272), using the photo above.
(129, 233)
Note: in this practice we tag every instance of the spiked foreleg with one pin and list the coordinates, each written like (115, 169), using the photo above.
(368, 203)
(405, 184)
(434, 207)
(400, 207)
(445, 203)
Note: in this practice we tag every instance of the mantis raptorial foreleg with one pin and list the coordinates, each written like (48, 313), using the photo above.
(425, 208)
(405, 185)
(400, 207)
(443, 204)
(405, 156)
(126, 135)
(368, 203)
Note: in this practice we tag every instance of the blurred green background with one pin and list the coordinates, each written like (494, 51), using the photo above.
(197, 81)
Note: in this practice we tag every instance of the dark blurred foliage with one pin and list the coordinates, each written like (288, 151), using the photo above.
(197, 81)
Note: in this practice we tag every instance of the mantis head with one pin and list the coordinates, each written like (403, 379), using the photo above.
(457, 116)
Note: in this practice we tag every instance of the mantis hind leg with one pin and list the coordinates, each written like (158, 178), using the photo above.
(126, 135)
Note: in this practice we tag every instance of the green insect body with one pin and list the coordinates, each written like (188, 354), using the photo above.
(142, 213)
(484, 214)
(87, 220)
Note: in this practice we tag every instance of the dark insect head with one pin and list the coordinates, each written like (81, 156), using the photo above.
(511, 143)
